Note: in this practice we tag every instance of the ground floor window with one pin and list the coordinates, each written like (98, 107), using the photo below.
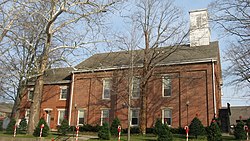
(167, 116)
(134, 117)
(104, 116)
(61, 115)
(80, 119)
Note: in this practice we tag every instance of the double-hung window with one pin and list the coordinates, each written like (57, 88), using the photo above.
(166, 86)
(106, 88)
(61, 115)
(134, 117)
(167, 116)
(30, 94)
(104, 116)
(136, 87)
(80, 119)
(64, 92)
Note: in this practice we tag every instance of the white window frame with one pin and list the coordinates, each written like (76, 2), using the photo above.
(102, 111)
(104, 85)
(131, 116)
(133, 88)
(61, 89)
(171, 115)
(30, 90)
(78, 116)
(163, 85)
(58, 116)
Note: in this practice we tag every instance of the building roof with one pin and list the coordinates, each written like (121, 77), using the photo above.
(6, 107)
(56, 75)
(103, 61)
(183, 54)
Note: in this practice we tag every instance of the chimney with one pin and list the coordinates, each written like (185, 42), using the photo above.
(199, 28)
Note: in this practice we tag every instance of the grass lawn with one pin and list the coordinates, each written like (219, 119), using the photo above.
(151, 137)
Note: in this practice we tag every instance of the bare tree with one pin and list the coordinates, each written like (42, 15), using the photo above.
(44, 28)
(155, 24)
(232, 16)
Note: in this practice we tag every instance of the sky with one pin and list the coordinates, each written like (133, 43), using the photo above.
(230, 94)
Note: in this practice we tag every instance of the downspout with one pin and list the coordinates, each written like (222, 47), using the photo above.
(71, 97)
(213, 82)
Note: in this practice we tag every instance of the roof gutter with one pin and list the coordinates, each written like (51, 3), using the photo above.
(138, 66)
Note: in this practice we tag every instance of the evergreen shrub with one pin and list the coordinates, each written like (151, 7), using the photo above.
(196, 128)
(239, 131)
(45, 132)
(114, 126)
(104, 132)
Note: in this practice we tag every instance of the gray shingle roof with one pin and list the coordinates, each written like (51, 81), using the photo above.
(183, 54)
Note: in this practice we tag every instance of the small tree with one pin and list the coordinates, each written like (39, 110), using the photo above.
(45, 132)
(158, 125)
(239, 131)
(64, 127)
(104, 132)
(196, 127)
(23, 125)
(115, 123)
(11, 126)
(214, 132)
(164, 133)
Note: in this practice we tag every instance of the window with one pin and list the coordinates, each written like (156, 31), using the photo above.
(167, 116)
(104, 116)
(27, 114)
(30, 94)
(166, 86)
(64, 93)
(80, 119)
(134, 117)
(106, 88)
(61, 115)
(136, 87)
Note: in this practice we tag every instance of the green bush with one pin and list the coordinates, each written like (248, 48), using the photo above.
(196, 128)
(214, 132)
(104, 132)
(23, 125)
(164, 133)
(64, 127)
(45, 132)
(11, 126)
(1, 125)
(239, 131)
(114, 125)
(158, 125)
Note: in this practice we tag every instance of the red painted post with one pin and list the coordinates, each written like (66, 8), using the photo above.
(119, 129)
(246, 129)
(187, 130)
(77, 131)
(41, 130)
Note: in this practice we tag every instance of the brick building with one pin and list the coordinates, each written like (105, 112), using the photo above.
(185, 84)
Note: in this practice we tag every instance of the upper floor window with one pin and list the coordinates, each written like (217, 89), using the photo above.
(167, 116)
(136, 87)
(61, 116)
(106, 88)
(104, 116)
(81, 117)
(30, 94)
(166, 86)
(64, 92)
(134, 117)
